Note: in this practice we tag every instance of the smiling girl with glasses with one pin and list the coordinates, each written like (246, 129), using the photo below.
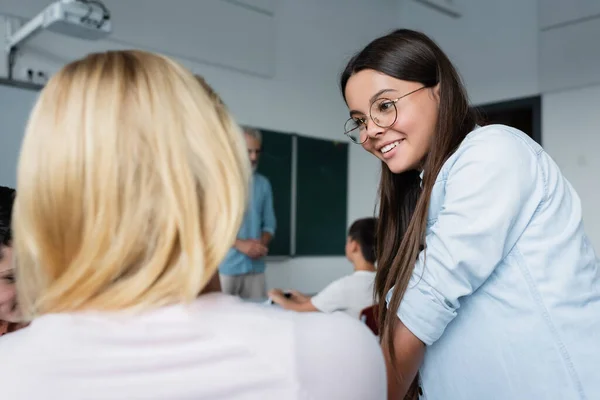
(488, 283)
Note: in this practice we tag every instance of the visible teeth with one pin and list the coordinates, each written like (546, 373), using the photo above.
(390, 146)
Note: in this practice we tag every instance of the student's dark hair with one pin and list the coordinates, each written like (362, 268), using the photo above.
(7, 197)
(410, 56)
(363, 231)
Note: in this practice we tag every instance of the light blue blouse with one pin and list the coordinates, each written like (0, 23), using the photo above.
(507, 295)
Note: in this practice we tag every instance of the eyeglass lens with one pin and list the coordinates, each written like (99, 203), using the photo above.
(383, 113)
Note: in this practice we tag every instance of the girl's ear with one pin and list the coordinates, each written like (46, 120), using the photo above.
(436, 91)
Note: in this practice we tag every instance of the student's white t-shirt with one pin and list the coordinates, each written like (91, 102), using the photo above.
(350, 294)
(219, 347)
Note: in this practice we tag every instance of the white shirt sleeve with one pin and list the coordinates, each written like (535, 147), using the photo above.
(339, 358)
(331, 298)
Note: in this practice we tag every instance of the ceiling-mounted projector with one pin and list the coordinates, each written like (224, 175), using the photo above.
(83, 19)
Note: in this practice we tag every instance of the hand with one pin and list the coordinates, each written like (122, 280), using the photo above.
(252, 248)
(276, 292)
(266, 238)
(277, 295)
(299, 297)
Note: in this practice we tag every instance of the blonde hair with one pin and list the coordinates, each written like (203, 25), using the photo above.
(215, 98)
(132, 185)
(220, 106)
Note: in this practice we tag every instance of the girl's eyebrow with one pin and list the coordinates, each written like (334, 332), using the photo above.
(372, 99)
(6, 271)
(382, 91)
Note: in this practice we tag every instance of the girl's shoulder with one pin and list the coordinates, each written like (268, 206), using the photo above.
(499, 139)
(493, 146)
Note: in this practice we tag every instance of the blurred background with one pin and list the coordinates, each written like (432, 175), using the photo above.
(533, 64)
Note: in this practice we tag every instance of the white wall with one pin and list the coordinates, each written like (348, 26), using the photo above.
(569, 54)
(570, 79)
(297, 93)
(572, 136)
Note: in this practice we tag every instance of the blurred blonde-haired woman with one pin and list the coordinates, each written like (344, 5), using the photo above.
(132, 183)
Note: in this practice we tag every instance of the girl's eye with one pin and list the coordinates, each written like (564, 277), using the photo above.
(356, 123)
(385, 106)
(9, 278)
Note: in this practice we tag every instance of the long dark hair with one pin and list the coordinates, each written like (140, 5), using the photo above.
(403, 200)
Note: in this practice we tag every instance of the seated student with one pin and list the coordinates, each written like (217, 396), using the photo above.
(132, 186)
(350, 294)
(8, 306)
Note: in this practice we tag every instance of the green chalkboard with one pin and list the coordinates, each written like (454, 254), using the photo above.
(276, 164)
(322, 187)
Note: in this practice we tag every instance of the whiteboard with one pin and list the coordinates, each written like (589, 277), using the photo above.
(16, 102)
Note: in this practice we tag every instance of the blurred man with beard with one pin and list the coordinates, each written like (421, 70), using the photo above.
(242, 272)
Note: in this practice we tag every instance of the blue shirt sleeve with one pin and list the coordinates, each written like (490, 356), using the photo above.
(491, 193)
(269, 223)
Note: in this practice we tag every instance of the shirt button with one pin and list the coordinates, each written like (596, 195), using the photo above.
(420, 391)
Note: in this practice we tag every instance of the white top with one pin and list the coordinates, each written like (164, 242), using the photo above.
(350, 294)
(219, 347)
